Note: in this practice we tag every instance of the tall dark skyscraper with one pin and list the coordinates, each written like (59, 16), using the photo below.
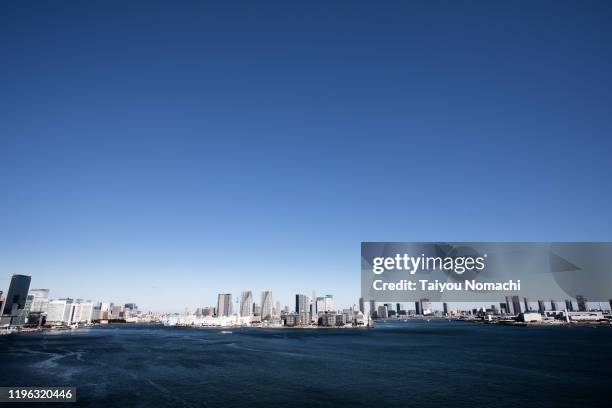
(15, 300)
(541, 307)
(17, 294)
(582, 303)
(569, 306)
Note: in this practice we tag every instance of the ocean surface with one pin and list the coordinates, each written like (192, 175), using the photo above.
(413, 364)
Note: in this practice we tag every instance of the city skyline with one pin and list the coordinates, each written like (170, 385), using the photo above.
(169, 154)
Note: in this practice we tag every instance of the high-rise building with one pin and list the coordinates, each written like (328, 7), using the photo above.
(130, 309)
(14, 304)
(361, 305)
(329, 303)
(425, 307)
(40, 300)
(610, 301)
(301, 303)
(516, 305)
(246, 303)
(417, 308)
(398, 308)
(383, 312)
(372, 307)
(266, 305)
(509, 305)
(59, 311)
(445, 308)
(277, 309)
(224, 304)
(582, 303)
(527, 307)
(553, 305)
(568, 305)
(320, 303)
(1, 301)
(541, 307)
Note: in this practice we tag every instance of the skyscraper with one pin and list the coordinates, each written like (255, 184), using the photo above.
(445, 308)
(224, 304)
(246, 304)
(553, 305)
(516, 305)
(582, 303)
(329, 303)
(40, 300)
(425, 307)
(16, 298)
(541, 307)
(509, 305)
(361, 305)
(569, 306)
(266, 305)
(301, 303)
(526, 302)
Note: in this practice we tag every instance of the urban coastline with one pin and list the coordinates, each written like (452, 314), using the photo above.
(25, 310)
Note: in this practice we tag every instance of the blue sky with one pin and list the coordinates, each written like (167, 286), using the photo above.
(161, 153)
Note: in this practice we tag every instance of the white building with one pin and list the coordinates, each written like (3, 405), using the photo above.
(246, 304)
(328, 303)
(40, 300)
(59, 311)
(266, 305)
(83, 312)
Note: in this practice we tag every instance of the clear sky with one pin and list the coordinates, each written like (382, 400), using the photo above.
(162, 152)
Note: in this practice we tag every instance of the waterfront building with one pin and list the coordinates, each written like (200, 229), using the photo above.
(372, 308)
(291, 319)
(40, 300)
(96, 314)
(59, 311)
(383, 312)
(301, 303)
(362, 305)
(541, 307)
(329, 303)
(529, 317)
(417, 308)
(320, 303)
(569, 306)
(516, 305)
(553, 305)
(426, 308)
(304, 318)
(15, 301)
(445, 308)
(327, 319)
(277, 309)
(266, 305)
(224, 304)
(526, 302)
(582, 303)
(246, 304)
(116, 312)
(610, 304)
(82, 311)
(130, 310)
